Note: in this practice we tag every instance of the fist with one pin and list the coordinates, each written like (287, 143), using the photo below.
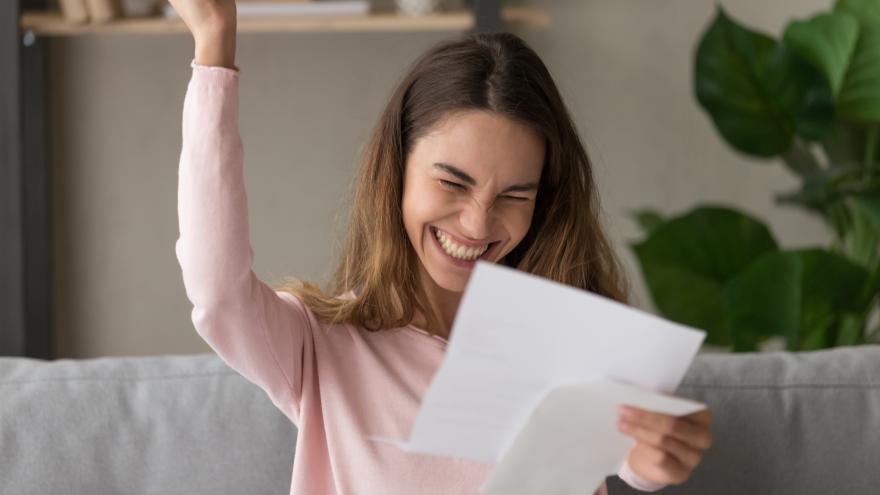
(206, 18)
(668, 448)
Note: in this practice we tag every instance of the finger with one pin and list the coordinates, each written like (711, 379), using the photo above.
(703, 417)
(658, 465)
(684, 454)
(695, 435)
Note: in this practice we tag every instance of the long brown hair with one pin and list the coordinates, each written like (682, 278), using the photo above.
(494, 72)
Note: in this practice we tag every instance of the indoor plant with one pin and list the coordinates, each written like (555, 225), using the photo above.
(811, 98)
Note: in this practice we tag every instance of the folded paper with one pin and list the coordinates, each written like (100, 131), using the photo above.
(570, 442)
(515, 338)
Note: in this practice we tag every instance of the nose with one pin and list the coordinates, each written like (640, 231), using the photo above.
(476, 219)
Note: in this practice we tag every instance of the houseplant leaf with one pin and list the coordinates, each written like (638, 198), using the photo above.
(866, 11)
(803, 295)
(827, 41)
(757, 91)
(688, 260)
(859, 96)
(765, 300)
(647, 219)
(831, 288)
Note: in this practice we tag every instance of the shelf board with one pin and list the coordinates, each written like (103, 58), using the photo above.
(47, 23)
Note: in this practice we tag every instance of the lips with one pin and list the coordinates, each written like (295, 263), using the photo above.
(458, 253)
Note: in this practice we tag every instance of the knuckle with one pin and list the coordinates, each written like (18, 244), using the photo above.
(679, 426)
(665, 440)
(668, 462)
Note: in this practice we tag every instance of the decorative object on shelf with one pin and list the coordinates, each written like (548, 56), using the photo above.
(811, 99)
(101, 11)
(74, 11)
(139, 8)
(418, 7)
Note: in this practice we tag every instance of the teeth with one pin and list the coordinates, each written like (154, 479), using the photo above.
(458, 251)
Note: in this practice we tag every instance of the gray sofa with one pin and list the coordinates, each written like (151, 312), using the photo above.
(805, 423)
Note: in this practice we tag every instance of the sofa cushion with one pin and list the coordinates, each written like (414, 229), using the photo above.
(165, 425)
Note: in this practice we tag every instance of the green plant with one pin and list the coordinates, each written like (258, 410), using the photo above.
(811, 99)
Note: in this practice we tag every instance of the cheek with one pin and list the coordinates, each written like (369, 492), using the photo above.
(421, 204)
(520, 221)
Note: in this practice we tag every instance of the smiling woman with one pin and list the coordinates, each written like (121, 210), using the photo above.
(475, 156)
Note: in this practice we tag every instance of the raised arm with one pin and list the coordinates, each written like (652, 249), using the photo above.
(262, 334)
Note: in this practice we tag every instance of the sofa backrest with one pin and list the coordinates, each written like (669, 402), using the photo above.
(166, 425)
(784, 423)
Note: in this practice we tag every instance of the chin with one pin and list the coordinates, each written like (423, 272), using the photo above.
(452, 282)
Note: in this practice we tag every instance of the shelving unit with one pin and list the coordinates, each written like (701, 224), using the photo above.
(53, 24)
(26, 29)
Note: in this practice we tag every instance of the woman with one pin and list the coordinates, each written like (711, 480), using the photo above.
(475, 157)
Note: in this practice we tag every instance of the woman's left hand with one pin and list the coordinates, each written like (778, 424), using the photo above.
(668, 448)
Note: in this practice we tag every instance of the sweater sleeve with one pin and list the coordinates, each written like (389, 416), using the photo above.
(634, 480)
(260, 333)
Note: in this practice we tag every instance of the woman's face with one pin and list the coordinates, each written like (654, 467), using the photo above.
(469, 193)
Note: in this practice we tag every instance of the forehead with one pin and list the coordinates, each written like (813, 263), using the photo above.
(483, 142)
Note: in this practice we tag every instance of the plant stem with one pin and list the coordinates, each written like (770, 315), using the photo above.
(870, 148)
(800, 160)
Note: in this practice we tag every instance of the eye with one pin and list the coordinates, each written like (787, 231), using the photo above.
(451, 185)
(516, 198)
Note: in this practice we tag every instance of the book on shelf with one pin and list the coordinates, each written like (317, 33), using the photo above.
(273, 8)
(101, 11)
(74, 11)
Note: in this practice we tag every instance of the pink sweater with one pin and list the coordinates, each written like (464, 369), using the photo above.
(339, 384)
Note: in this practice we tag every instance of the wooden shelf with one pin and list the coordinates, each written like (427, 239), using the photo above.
(53, 24)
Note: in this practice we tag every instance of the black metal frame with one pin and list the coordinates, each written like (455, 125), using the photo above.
(25, 256)
(487, 15)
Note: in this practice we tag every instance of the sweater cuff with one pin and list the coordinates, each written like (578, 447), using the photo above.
(634, 480)
(223, 71)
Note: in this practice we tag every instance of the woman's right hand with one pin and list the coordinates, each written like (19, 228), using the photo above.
(212, 24)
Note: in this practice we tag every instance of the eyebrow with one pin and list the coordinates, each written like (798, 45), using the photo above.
(463, 176)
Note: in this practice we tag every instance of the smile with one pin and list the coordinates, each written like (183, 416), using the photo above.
(458, 251)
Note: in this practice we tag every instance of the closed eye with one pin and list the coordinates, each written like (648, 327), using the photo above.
(452, 185)
(448, 184)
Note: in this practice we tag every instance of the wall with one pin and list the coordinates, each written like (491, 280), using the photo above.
(308, 102)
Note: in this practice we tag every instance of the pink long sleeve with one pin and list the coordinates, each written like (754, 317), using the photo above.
(242, 319)
(340, 384)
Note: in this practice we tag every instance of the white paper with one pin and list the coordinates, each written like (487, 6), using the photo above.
(570, 443)
(515, 338)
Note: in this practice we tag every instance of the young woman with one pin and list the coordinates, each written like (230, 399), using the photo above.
(475, 157)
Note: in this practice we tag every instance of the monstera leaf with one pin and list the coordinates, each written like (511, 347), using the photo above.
(687, 262)
(801, 295)
(720, 270)
(759, 93)
(845, 46)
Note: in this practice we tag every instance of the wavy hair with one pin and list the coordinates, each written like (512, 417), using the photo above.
(375, 284)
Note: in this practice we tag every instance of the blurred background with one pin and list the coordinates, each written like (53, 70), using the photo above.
(308, 102)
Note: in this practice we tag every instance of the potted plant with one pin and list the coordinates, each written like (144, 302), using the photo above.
(811, 99)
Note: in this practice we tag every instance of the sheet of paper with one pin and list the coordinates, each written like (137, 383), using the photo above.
(516, 337)
(570, 442)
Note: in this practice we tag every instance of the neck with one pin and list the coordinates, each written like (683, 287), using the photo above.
(443, 302)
